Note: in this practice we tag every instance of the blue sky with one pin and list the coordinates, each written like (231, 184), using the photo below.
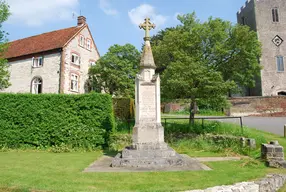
(111, 21)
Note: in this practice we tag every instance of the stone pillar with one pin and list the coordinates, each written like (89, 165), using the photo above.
(273, 154)
(148, 148)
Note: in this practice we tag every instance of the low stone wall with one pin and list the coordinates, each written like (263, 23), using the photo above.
(271, 183)
(173, 107)
(258, 106)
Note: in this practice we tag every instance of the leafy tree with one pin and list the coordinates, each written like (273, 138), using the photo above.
(204, 61)
(4, 73)
(114, 73)
(230, 49)
(189, 77)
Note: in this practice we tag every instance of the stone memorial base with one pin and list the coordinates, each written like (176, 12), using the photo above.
(149, 156)
(103, 165)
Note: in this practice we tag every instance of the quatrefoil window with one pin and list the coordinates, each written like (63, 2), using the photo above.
(277, 40)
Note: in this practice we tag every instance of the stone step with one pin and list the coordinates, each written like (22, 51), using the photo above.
(166, 153)
(150, 163)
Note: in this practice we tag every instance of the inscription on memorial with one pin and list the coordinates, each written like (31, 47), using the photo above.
(148, 102)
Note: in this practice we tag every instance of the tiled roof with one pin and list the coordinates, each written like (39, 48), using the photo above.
(40, 43)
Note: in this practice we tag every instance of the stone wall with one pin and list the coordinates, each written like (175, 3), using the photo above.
(271, 183)
(258, 15)
(272, 81)
(22, 74)
(258, 106)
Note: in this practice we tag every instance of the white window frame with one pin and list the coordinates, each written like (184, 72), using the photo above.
(37, 62)
(74, 82)
(92, 63)
(81, 40)
(75, 59)
(88, 44)
(280, 63)
(36, 82)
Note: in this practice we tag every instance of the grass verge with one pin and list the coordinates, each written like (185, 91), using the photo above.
(43, 171)
(46, 171)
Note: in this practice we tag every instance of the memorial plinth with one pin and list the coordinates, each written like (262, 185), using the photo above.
(148, 149)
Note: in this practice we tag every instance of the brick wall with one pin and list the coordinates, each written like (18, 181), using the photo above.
(258, 106)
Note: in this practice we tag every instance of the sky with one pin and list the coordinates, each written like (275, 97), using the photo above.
(110, 21)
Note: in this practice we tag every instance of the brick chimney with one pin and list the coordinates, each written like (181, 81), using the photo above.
(81, 20)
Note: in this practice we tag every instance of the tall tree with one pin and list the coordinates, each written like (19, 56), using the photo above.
(4, 73)
(230, 49)
(204, 61)
(190, 77)
(114, 73)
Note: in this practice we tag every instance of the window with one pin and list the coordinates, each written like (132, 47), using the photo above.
(282, 93)
(92, 63)
(74, 82)
(75, 59)
(243, 20)
(81, 40)
(37, 62)
(88, 44)
(275, 15)
(280, 63)
(37, 85)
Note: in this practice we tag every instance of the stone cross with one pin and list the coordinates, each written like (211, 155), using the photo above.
(147, 26)
(148, 149)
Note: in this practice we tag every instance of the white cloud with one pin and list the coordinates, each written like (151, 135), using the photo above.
(36, 13)
(105, 6)
(138, 14)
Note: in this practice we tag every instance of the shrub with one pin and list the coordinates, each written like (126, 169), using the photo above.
(118, 141)
(46, 120)
(123, 108)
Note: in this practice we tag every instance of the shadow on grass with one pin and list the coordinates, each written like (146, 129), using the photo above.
(109, 153)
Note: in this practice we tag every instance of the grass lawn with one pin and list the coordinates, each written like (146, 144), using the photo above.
(62, 172)
(27, 171)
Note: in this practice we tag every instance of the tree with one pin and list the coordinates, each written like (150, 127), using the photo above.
(204, 61)
(189, 77)
(230, 49)
(4, 73)
(114, 73)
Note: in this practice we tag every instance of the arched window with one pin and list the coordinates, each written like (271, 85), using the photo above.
(282, 93)
(37, 85)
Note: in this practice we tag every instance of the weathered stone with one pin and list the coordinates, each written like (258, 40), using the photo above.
(273, 153)
(251, 143)
(274, 143)
(272, 183)
(148, 149)
(242, 141)
(257, 15)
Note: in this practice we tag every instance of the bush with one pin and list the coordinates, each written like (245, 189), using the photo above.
(47, 120)
(123, 108)
(118, 141)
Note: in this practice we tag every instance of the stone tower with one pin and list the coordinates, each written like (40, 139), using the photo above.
(268, 19)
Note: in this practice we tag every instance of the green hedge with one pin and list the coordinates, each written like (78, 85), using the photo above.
(46, 120)
(124, 108)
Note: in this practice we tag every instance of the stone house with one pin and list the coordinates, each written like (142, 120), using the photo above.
(268, 19)
(53, 62)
